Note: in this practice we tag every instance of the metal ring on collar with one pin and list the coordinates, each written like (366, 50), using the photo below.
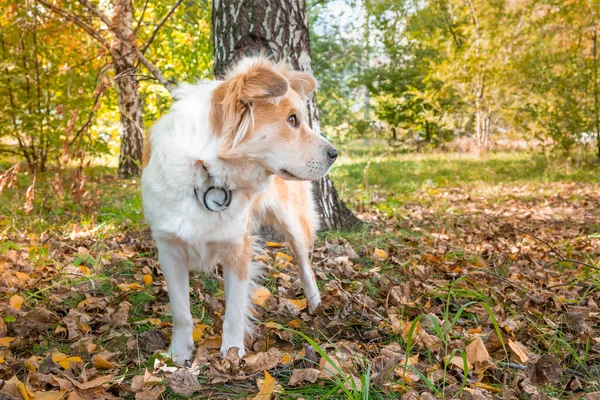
(223, 206)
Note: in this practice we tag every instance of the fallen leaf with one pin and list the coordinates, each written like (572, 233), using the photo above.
(473, 331)
(183, 383)
(266, 390)
(198, 331)
(298, 305)
(51, 395)
(16, 301)
(64, 361)
(274, 244)
(147, 279)
(544, 369)
(283, 256)
(5, 341)
(263, 361)
(101, 363)
(260, 296)
(477, 354)
(152, 394)
(132, 286)
(520, 351)
(380, 253)
(458, 362)
(143, 382)
(25, 393)
(303, 375)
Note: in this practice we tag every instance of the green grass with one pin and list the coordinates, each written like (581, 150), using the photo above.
(391, 183)
(395, 177)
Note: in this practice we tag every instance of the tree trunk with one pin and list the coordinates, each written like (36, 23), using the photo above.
(278, 28)
(130, 106)
(595, 77)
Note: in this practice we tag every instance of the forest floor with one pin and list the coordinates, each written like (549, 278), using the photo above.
(476, 279)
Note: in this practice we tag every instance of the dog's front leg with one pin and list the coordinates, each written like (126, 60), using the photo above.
(174, 267)
(235, 274)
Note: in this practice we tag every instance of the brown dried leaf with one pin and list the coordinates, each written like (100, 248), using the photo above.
(183, 383)
(300, 376)
(29, 198)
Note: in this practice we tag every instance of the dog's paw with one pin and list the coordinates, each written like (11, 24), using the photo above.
(226, 345)
(182, 351)
(314, 302)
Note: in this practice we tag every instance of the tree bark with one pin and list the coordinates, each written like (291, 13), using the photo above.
(279, 29)
(130, 106)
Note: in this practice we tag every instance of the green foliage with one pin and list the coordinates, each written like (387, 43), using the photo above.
(58, 81)
(49, 77)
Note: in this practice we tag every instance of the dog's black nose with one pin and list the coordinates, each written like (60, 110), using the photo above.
(332, 153)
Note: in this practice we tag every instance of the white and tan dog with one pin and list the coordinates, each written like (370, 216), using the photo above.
(229, 156)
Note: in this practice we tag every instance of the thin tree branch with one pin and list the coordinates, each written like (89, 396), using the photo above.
(155, 71)
(160, 25)
(139, 22)
(77, 21)
(151, 67)
(99, 13)
(97, 98)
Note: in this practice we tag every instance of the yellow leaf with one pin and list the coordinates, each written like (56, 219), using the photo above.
(85, 270)
(294, 324)
(64, 361)
(147, 279)
(284, 256)
(266, 390)
(286, 359)
(5, 341)
(23, 391)
(31, 364)
(101, 363)
(474, 330)
(198, 331)
(273, 325)
(380, 253)
(1, 360)
(16, 301)
(51, 395)
(260, 296)
(274, 244)
(299, 304)
(131, 286)
(22, 276)
(487, 387)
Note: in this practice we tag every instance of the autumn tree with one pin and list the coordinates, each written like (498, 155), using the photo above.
(118, 38)
(280, 29)
(51, 82)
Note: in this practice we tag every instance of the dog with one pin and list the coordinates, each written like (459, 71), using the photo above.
(228, 156)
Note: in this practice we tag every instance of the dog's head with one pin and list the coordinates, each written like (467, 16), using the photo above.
(260, 114)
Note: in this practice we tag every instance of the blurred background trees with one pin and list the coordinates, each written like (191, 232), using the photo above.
(420, 75)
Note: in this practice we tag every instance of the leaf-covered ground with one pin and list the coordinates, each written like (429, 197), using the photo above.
(471, 286)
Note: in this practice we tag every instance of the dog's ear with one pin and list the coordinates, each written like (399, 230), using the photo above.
(301, 82)
(259, 82)
(232, 100)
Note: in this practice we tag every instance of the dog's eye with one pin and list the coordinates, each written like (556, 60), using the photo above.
(292, 120)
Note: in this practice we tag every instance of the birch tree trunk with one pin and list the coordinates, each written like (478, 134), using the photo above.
(278, 28)
(130, 107)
